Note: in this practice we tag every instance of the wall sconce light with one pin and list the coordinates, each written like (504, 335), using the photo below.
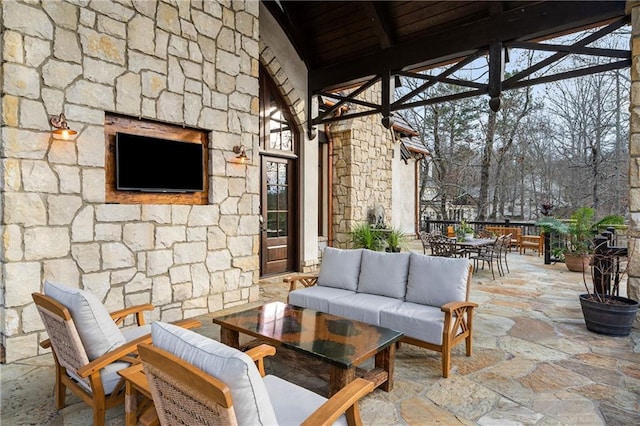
(61, 128)
(242, 155)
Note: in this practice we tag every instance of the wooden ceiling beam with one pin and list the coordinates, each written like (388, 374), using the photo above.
(531, 21)
(376, 11)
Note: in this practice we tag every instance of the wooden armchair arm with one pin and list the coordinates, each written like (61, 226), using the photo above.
(123, 353)
(258, 353)
(305, 280)
(451, 307)
(343, 402)
(120, 315)
(120, 353)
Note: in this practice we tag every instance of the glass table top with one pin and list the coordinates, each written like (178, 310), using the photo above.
(336, 340)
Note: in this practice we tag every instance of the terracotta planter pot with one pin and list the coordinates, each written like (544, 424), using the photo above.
(577, 262)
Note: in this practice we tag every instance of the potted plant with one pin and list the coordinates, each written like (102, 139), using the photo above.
(604, 311)
(465, 231)
(365, 236)
(580, 231)
(395, 240)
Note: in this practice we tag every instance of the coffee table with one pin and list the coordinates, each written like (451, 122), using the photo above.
(342, 343)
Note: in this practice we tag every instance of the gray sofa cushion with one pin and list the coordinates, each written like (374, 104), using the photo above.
(436, 281)
(418, 321)
(317, 297)
(362, 307)
(340, 268)
(384, 274)
(293, 404)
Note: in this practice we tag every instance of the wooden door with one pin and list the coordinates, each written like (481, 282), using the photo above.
(277, 205)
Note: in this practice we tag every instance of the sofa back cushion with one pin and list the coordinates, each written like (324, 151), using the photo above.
(98, 332)
(340, 268)
(436, 281)
(384, 274)
(251, 401)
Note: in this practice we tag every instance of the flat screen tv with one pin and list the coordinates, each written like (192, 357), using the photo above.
(150, 164)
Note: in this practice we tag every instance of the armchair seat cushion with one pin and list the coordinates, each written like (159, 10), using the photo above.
(108, 375)
(292, 403)
(133, 332)
(98, 332)
(362, 307)
(251, 401)
(418, 321)
(317, 297)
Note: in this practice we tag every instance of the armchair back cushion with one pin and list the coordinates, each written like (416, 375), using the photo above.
(384, 274)
(98, 332)
(436, 281)
(340, 268)
(251, 401)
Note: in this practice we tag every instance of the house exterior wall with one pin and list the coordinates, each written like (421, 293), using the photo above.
(289, 73)
(403, 194)
(186, 63)
(633, 282)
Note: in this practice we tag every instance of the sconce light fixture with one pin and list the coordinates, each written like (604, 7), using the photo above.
(242, 155)
(61, 128)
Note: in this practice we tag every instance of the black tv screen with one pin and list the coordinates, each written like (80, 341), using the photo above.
(150, 164)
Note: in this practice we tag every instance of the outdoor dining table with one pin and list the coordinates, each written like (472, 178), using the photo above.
(476, 242)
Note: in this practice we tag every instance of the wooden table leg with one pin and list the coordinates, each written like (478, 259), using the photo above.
(339, 378)
(385, 359)
(230, 337)
(130, 404)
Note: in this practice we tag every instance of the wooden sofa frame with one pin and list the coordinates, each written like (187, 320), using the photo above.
(457, 316)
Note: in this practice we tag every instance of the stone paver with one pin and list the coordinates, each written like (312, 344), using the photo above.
(534, 363)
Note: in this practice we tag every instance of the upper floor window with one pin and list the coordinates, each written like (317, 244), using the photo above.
(278, 135)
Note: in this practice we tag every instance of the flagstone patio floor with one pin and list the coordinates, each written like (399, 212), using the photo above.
(534, 363)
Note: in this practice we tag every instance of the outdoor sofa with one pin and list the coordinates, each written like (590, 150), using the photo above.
(424, 297)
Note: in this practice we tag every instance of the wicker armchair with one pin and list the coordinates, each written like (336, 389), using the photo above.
(185, 394)
(93, 379)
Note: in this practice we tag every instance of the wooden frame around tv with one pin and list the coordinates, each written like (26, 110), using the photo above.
(114, 123)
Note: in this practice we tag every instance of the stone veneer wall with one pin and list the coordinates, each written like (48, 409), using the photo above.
(633, 282)
(363, 150)
(187, 62)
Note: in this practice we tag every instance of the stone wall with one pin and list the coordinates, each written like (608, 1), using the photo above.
(191, 63)
(633, 282)
(361, 170)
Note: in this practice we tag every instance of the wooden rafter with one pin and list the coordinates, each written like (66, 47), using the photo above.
(378, 14)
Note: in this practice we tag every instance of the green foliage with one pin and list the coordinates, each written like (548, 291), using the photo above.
(464, 228)
(580, 230)
(396, 239)
(364, 236)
